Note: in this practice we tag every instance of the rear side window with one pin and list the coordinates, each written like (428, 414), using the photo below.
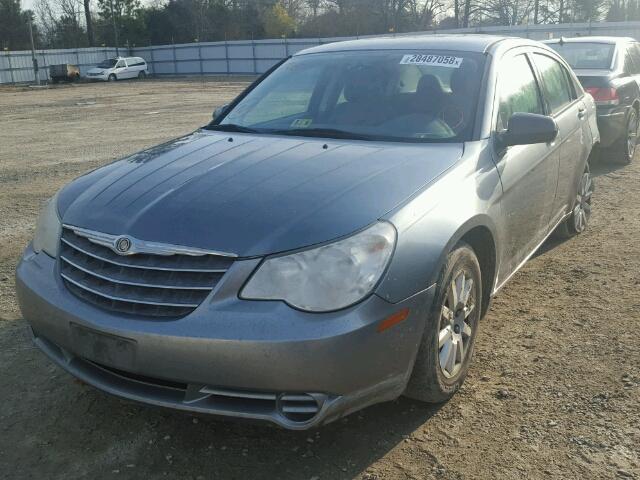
(555, 82)
(135, 62)
(518, 90)
(632, 60)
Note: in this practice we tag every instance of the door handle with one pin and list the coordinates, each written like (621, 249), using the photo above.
(581, 112)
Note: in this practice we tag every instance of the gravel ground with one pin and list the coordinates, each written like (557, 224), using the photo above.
(553, 392)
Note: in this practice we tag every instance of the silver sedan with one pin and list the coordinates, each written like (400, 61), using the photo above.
(329, 241)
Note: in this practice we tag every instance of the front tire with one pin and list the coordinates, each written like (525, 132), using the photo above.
(112, 77)
(450, 331)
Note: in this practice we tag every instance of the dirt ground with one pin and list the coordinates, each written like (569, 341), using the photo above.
(553, 392)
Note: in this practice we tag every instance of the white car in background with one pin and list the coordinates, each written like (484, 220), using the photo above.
(119, 68)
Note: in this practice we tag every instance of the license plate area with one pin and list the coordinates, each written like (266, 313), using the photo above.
(104, 348)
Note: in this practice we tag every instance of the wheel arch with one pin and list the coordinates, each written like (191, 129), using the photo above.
(479, 233)
(483, 244)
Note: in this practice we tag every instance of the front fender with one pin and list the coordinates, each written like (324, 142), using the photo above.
(433, 222)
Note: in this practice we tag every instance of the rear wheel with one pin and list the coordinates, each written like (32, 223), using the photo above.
(581, 213)
(142, 75)
(627, 147)
(450, 331)
(112, 77)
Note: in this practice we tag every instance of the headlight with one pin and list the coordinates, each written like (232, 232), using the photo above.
(48, 229)
(326, 278)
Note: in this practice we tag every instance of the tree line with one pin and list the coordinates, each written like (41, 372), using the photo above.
(83, 23)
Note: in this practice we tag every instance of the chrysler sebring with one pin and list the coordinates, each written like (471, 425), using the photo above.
(329, 241)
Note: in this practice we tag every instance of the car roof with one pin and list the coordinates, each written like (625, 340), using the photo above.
(461, 42)
(594, 39)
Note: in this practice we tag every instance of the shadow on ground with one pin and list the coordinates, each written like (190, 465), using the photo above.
(48, 419)
(601, 167)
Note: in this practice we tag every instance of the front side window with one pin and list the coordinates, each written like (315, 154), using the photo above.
(120, 64)
(379, 95)
(108, 63)
(555, 82)
(517, 90)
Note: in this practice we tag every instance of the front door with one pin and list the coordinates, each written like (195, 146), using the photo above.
(121, 70)
(573, 135)
(528, 172)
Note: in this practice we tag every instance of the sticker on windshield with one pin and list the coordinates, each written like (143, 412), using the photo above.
(433, 60)
(302, 122)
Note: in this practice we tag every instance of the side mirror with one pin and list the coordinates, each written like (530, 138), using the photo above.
(218, 112)
(528, 128)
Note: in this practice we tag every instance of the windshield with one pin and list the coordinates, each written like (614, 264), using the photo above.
(371, 95)
(586, 55)
(108, 63)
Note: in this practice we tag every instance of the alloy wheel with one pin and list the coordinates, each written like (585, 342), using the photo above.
(582, 210)
(455, 328)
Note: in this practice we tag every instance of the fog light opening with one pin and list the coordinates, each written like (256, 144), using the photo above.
(299, 407)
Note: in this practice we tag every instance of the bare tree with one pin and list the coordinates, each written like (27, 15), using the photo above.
(507, 12)
(89, 22)
(425, 12)
(314, 7)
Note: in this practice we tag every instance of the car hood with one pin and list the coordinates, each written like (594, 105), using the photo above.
(251, 195)
(96, 70)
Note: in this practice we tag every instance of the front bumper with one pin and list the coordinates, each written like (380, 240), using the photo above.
(101, 77)
(247, 350)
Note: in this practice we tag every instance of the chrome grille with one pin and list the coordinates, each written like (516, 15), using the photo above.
(138, 284)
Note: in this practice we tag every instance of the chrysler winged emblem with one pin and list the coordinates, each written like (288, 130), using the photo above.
(122, 245)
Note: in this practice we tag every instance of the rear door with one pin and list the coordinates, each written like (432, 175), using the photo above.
(574, 136)
(528, 172)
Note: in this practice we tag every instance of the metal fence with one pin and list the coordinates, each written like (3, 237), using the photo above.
(255, 57)
(17, 67)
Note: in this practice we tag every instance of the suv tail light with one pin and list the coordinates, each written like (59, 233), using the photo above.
(604, 95)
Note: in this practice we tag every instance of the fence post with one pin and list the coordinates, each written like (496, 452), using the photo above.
(175, 62)
(10, 68)
(253, 55)
(44, 67)
(200, 59)
(153, 62)
(226, 53)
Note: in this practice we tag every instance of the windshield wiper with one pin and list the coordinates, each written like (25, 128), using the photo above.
(231, 127)
(322, 132)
